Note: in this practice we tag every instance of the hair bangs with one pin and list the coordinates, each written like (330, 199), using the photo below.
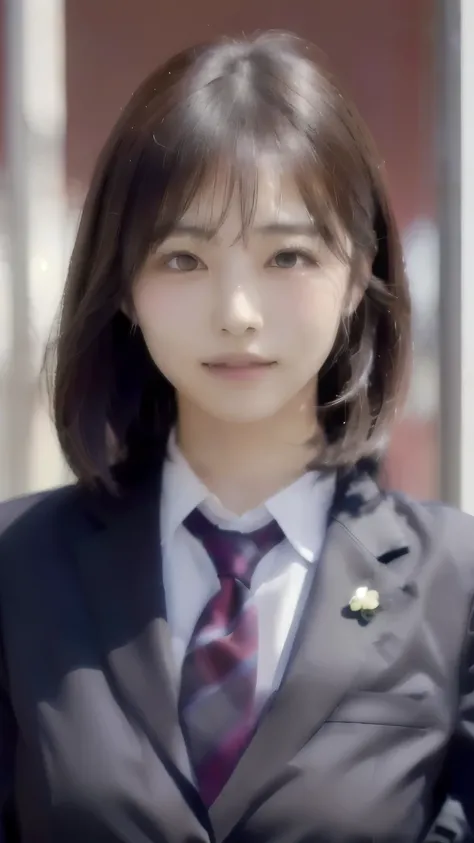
(167, 184)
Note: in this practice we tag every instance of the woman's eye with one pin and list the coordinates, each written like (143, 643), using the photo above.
(183, 262)
(291, 258)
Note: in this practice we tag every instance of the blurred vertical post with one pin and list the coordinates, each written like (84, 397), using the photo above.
(467, 255)
(35, 131)
(456, 202)
(450, 213)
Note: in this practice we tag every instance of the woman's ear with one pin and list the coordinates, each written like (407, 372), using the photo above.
(355, 297)
(128, 310)
(360, 280)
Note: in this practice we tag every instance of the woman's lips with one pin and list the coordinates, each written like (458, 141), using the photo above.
(239, 368)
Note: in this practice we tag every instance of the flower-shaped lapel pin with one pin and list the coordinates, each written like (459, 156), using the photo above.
(365, 602)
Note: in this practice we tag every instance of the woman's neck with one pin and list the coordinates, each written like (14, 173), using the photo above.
(244, 464)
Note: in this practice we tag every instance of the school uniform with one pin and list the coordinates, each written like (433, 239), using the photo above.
(364, 721)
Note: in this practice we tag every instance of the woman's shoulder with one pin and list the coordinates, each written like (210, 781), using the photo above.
(444, 533)
(433, 539)
(432, 513)
(28, 516)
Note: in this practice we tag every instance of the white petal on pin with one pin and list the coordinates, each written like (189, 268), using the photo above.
(371, 600)
(364, 600)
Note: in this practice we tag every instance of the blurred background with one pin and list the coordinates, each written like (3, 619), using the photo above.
(67, 67)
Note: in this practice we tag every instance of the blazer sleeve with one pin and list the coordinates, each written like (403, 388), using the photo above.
(10, 511)
(450, 826)
(461, 755)
(8, 825)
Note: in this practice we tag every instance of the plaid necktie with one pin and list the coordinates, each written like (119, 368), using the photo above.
(217, 696)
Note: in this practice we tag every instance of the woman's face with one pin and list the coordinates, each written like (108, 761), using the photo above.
(242, 326)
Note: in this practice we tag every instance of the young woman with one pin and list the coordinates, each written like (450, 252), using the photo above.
(225, 630)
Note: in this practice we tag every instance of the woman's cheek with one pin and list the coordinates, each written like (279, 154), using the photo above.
(159, 309)
(317, 310)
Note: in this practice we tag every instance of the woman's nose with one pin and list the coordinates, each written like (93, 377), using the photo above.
(239, 311)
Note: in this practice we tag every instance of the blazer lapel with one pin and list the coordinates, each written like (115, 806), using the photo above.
(365, 545)
(121, 573)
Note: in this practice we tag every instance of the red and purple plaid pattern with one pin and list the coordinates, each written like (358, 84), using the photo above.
(217, 696)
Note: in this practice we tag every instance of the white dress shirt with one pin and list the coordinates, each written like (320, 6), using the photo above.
(280, 582)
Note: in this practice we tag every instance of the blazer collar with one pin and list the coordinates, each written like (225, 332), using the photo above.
(372, 516)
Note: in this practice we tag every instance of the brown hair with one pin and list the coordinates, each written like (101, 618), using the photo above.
(225, 104)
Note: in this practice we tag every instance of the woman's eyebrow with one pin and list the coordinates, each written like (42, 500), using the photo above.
(275, 227)
(198, 231)
(294, 228)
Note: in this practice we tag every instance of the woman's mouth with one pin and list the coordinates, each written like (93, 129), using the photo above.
(239, 367)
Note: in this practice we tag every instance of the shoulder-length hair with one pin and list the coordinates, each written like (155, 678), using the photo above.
(226, 104)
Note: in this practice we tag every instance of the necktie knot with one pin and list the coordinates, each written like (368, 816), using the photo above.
(233, 554)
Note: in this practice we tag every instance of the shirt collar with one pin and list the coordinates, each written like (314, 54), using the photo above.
(182, 491)
(301, 509)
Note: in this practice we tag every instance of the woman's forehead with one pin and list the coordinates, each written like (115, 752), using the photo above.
(274, 200)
